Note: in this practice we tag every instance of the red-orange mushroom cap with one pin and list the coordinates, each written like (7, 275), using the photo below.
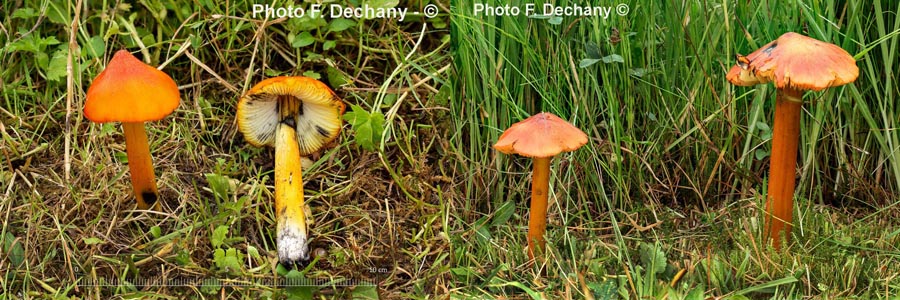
(129, 90)
(796, 61)
(541, 135)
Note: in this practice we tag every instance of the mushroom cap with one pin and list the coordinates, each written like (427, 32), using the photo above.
(541, 135)
(129, 90)
(317, 119)
(796, 61)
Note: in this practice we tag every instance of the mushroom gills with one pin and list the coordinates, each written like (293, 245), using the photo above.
(310, 122)
(259, 118)
(314, 124)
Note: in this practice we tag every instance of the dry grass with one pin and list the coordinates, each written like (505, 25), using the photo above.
(373, 227)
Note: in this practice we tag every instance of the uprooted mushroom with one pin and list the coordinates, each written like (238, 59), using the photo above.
(297, 116)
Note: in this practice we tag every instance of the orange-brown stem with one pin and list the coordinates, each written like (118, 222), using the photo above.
(785, 139)
(141, 165)
(537, 219)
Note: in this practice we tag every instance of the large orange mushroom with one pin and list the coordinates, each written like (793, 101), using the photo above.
(794, 63)
(541, 136)
(132, 92)
(297, 116)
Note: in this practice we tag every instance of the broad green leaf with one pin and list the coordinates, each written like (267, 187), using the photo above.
(591, 50)
(637, 72)
(335, 77)
(57, 67)
(32, 43)
(483, 234)
(312, 74)
(304, 39)
(114, 30)
(219, 185)
(58, 13)
(603, 291)
(438, 23)
(765, 132)
(613, 58)
(91, 240)
(299, 287)
(328, 45)
(587, 62)
(227, 260)
(148, 39)
(695, 294)
(95, 47)
(42, 60)
(155, 231)
(218, 236)
(253, 252)
(504, 213)
(761, 153)
(307, 22)
(461, 271)
(338, 25)
(14, 250)
(365, 292)
(389, 100)
(24, 13)
(653, 258)
(211, 287)
(376, 4)
(281, 270)
(368, 127)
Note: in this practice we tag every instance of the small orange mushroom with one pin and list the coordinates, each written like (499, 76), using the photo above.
(132, 92)
(794, 63)
(297, 116)
(541, 136)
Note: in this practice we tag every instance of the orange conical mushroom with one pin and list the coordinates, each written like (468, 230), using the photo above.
(297, 116)
(132, 92)
(541, 136)
(794, 63)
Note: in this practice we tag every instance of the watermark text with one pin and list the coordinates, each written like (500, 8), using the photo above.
(550, 9)
(338, 11)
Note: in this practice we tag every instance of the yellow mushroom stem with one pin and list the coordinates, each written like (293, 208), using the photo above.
(141, 165)
(537, 219)
(289, 202)
(785, 140)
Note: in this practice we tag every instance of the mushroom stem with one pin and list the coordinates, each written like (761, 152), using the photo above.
(785, 139)
(537, 219)
(140, 164)
(289, 204)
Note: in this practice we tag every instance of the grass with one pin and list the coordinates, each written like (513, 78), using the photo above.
(673, 177)
(664, 202)
(380, 213)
